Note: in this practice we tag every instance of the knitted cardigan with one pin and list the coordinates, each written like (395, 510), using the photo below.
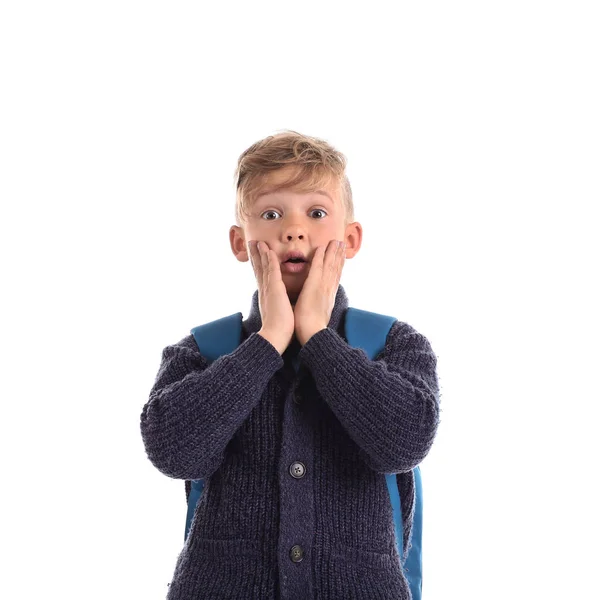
(295, 503)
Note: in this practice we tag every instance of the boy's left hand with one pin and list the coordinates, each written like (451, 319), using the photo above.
(315, 303)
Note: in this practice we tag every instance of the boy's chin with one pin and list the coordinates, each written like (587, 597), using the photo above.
(293, 293)
(294, 286)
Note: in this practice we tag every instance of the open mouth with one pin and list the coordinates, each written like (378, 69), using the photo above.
(293, 265)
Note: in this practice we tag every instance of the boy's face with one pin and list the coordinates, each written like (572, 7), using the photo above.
(292, 221)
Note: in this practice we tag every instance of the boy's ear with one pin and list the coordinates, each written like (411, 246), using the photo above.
(353, 237)
(238, 243)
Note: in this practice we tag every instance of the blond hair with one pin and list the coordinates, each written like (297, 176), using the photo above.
(316, 163)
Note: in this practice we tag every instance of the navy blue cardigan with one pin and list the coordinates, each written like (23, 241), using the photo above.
(295, 503)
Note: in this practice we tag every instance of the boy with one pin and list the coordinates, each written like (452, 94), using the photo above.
(294, 430)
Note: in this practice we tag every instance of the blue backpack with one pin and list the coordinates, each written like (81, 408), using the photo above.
(365, 330)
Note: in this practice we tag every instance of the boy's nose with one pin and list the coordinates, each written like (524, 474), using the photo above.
(293, 230)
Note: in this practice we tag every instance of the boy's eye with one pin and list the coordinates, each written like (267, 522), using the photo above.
(267, 212)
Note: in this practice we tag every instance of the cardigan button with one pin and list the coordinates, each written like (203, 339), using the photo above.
(296, 554)
(297, 470)
(297, 398)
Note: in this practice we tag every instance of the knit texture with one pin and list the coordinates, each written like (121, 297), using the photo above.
(295, 503)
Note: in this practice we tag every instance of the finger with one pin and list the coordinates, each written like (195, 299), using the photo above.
(332, 256)
(317, 262)
(262, 266)
(337, 265)
(267, 253)
(341, 261)
(274, 266)
(263, 249)
(255, 258)
(341, 254)
(337, 252)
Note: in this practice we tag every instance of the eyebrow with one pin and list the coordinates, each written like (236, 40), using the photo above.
(313, 192)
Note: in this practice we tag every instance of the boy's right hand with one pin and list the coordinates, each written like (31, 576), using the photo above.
(278, 323)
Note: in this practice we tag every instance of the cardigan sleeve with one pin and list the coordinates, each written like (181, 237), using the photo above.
(389, 406)
(195, 408)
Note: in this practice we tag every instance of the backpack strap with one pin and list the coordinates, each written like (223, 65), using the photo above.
(214, 339)
(368, 331)
(413, 566)
(194, 494)
(218, 337)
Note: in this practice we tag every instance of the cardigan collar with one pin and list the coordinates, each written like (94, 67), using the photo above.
(253, 323)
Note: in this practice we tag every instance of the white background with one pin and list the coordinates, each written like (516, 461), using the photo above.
(467, 130)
